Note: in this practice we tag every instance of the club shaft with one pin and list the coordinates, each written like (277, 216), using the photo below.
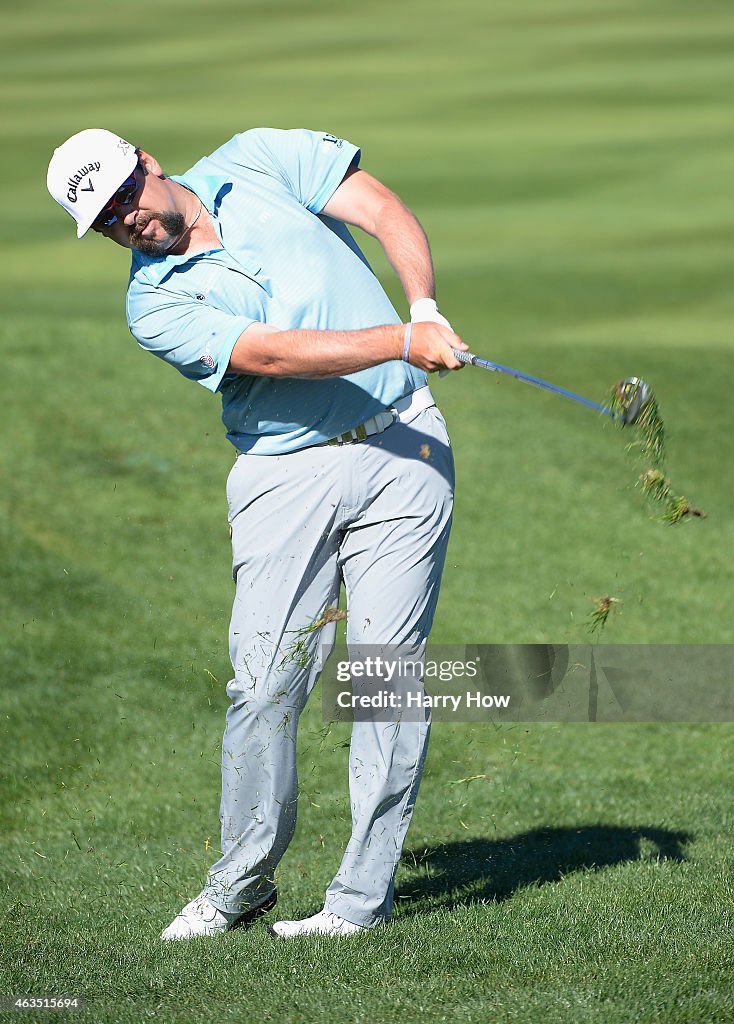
(486, 364)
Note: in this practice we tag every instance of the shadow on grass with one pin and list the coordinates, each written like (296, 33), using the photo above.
(479, 870)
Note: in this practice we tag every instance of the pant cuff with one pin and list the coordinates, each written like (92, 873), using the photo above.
(346, 909)
(236, 906)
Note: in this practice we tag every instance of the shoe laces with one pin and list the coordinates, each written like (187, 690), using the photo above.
(204, 909)
(337, 922)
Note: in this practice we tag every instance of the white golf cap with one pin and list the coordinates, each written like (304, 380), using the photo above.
(86, 171)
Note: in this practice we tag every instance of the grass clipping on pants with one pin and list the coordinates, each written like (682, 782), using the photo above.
(649, 447)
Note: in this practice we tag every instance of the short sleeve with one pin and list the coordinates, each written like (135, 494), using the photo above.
(310, 164)
(192, 336)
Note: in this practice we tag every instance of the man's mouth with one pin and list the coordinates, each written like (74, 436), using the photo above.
(155, 231)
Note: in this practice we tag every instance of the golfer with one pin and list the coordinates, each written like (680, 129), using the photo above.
(246, 279)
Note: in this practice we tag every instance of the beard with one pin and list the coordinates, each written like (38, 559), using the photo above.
(174, 224)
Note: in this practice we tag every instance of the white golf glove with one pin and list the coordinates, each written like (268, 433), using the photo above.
(426, 311)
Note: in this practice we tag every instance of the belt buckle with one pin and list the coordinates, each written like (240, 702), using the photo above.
(358, 433)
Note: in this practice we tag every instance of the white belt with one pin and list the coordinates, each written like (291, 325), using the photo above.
(406, 409)
(403, 411)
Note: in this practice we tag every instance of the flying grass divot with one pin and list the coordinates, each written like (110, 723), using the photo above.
(603, 608)
(632, 404)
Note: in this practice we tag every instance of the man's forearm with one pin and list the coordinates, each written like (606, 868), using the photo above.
(263, 351)
(368, 204)
(406, 246)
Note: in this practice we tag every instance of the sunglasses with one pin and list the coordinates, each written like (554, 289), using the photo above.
(123, 196)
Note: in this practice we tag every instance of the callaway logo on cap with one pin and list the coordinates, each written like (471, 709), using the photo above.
(86, 171)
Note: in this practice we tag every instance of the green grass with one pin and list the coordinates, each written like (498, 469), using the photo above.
(572, 163)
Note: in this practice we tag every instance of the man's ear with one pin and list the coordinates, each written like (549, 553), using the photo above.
(150, 164)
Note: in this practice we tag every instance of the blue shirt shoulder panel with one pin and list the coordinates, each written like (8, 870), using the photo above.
(309, 165)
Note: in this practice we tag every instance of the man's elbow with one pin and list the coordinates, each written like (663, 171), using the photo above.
(389, 216)
(260, 365)
(256, 353)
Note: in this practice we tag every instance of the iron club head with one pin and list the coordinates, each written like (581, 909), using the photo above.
(633, 395)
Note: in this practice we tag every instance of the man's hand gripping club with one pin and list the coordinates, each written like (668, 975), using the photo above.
(429, 346)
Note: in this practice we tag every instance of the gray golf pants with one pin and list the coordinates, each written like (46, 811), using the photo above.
(377, 515)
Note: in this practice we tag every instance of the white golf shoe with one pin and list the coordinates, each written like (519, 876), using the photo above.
(323, 923)
(200, 917)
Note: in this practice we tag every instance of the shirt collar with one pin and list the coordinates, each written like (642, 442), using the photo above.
(210, 189)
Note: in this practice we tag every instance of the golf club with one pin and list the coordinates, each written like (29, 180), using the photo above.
(632, 392)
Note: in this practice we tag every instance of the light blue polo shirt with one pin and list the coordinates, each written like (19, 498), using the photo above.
(281, 263)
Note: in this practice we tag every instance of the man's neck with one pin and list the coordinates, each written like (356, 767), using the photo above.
(199, 235)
